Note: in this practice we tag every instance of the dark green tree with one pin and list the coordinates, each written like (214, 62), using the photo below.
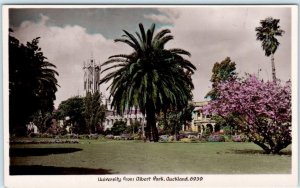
(267, 33)
(172, 120)
(151, 78)
(118, 128)
(42, 121)
(74, 109)
(134, 127)
(32, 83)
(221, 72)
(94, 112)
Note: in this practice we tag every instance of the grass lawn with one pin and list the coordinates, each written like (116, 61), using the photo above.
(135, 157)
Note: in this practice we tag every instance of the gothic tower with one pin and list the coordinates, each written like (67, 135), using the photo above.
(91, 76)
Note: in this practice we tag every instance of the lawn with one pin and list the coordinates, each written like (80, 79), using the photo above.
(135, 157)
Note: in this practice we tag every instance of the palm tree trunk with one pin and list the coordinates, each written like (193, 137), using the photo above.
(273, 68)
(151, 129)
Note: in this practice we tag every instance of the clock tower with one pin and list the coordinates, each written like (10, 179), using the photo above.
(91, 76)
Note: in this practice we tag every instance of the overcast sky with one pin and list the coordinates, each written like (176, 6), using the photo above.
(70, 36)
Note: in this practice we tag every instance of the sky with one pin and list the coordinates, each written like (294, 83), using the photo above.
(210, 33)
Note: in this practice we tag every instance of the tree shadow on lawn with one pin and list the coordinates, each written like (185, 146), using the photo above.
(52, 170)
(23, 152)
(256, 151)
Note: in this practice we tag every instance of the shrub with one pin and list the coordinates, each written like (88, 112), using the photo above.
(228, 138)
(137, 137)
(107, 132)
(203, 138)
(126, 136)
(181, 136)
(93, 136)
(193, 137)
(186, 140)
(134, 127)
(34, 135)
(189, 140)
(118, 128)
(83, 136)
(117, 138)
(164, 138)
(47, 135)
(239, 138)
(216, 138)
(109, 136)
(170, 138)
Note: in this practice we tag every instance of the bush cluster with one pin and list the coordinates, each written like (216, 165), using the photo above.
(124, 137)
(216, 138)
(187, 137)
(195, 137)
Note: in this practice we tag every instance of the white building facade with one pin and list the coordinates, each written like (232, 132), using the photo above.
(129, 117)
(200, 122)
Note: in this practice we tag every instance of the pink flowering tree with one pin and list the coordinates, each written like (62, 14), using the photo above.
(262, 110)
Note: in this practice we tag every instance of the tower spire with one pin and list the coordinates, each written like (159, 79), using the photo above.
(91, 75)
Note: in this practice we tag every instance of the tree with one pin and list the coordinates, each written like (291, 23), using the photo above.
(221, 72)
(42, 121)
(94, 112)
(262, 109)
(151, 78)
(74, 109)
(134, 127)
(32, 83)
(267, 33)
(172, 120)
(118, 128)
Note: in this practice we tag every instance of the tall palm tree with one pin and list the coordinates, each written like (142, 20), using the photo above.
(151, 78)
(266, 33)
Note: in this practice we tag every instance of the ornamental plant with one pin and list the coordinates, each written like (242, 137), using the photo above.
(262, 110)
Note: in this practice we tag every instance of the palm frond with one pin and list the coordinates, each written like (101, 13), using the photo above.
(142, 30)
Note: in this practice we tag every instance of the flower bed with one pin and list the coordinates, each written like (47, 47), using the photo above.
(48, 141)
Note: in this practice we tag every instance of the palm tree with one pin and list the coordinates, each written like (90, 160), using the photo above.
(151, 78)
(267, 33)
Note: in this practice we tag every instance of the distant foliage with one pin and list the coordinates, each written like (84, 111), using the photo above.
(263, 110)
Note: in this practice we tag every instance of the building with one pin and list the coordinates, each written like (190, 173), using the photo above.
(129, 117)
(92, 75)
(202, 123)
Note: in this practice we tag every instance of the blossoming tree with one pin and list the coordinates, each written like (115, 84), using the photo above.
(263, 110)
